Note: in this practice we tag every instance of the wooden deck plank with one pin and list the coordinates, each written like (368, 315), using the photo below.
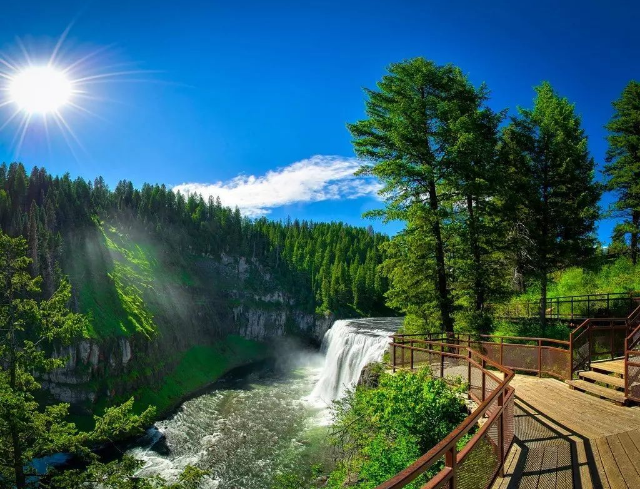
(549, 468)
(598, 390)
(563, 411)
(531, 473)
(555, 421)
(613, 366)
(603, 378)
(583, 476)
(566, 464)
(597, 460)
(632, 450)
(611, 469)
(635, 437)
(625, 465)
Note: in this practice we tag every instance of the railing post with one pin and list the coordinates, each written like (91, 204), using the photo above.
(612, 341)
(571, 307)
(411, 353)
(450, 461)
(539, 358)
(626, 367)
(469, 367)
(393, 356)
(571, 356)
(402, 355)
(501, 453)
(441, 363)
(501, 351)
(484, 379)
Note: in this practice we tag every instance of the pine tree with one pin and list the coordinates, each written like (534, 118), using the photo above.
(623, 164)
(415, 120)
(553, 184)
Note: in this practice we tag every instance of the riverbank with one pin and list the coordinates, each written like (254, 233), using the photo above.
(198, 369)
(246, 429)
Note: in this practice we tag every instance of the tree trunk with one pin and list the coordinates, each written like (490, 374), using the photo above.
(441, 272)
(634, 237)
(543, 249)
(543, 301)
(478, 282)
(18, 468)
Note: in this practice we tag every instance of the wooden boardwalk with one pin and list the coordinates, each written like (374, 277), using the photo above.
(569, 439)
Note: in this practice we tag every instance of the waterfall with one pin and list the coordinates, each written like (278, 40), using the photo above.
(348, 346)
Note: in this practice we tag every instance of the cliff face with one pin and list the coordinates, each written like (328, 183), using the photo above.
(164, 323)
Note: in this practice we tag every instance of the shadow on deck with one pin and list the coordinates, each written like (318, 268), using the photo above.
(569, 440)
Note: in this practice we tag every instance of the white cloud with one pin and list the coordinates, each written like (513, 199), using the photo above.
(311, 180)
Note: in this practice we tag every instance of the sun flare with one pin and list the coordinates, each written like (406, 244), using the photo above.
(40, 90)
(54, 92)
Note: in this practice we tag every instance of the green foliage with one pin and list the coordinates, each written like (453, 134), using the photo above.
(380, 431)
(121, 474)
(532, 328)
(200, 366)
(623, 166)
(29, 327)
(554, 197)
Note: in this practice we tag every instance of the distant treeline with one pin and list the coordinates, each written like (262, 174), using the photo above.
(329, 267)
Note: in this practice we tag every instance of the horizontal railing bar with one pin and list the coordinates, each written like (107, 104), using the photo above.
(426, 461)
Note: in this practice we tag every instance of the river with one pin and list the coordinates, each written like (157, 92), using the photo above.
(246, 430)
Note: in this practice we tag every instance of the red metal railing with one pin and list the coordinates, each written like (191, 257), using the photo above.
(543, 356)
(632, 358)
(597, 339)
(569, 307)
(481, 460)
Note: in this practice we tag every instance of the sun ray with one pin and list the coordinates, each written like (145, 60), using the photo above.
(60, 118)
(56, 49)
(22, 130)
(24, 51)
(112, 75)
(8, 121)
(85, 58)
(64, 135)
(84, 110)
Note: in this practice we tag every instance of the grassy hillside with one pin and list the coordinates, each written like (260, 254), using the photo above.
(613, 276)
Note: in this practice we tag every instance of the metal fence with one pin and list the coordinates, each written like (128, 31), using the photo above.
(597, 339)
(632, 359)
(568, 307)
(490, 425)
(542, 356)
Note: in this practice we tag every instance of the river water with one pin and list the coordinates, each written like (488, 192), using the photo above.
(274, 419)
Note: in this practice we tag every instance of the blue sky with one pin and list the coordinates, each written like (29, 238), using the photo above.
(253, 97)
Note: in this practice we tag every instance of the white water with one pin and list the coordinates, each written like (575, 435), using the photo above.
(247, 430)
(348, 346)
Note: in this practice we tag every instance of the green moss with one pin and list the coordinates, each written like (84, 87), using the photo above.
(198, 367)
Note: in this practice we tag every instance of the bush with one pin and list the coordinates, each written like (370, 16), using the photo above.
(380, 431)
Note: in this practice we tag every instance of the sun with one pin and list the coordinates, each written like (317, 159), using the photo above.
(40, 90)
(50, 92)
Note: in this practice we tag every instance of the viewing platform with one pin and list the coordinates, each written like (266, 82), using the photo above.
(574, 423)
(566, 439)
